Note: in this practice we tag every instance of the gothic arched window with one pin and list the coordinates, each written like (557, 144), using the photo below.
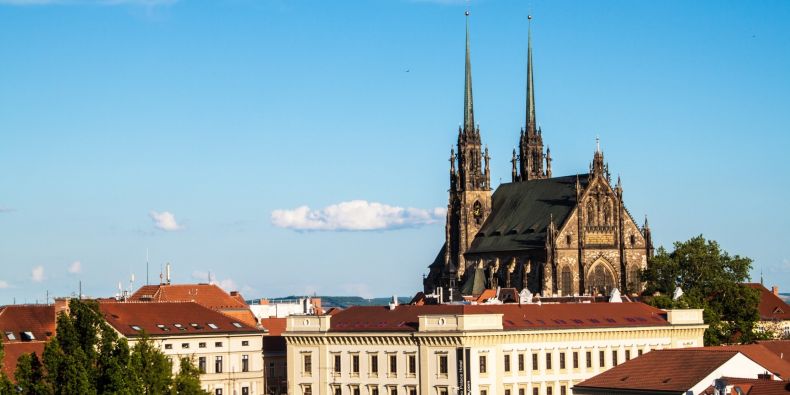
(565, 278)
(634, 282)
(477, 211)
(607, 213)
(600, 280)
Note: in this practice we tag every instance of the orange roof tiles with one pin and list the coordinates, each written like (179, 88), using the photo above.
(38, 319)
(778, 347)
(273, 342)
(758, 386)
(771, 307)
(669, 370)
(15, 350)
(759, 354)
(208, 295)
(515, 316)
(170, 318)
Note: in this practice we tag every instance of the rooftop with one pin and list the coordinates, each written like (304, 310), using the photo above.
(515, 316)
(771, 306)
(26, 322)
(171, 318)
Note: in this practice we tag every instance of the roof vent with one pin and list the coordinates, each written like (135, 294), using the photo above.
(394, 302)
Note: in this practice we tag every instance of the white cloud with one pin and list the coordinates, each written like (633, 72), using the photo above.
(75, 267)
(355, 215)
(5, 209)
(4, 284)
(165, 221)
(37, 274)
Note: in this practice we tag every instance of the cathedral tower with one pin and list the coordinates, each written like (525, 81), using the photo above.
(470, 192)
(530, 144)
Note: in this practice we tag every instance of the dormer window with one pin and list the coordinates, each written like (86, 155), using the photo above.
(237, 325)
(10, 335)
(28, 336)
(212, 326)
(180, 327)
(163, 327)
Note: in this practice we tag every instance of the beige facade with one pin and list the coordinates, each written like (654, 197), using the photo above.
(472, 354)
(230, 363)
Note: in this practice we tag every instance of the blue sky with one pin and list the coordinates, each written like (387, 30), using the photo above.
(196, 129)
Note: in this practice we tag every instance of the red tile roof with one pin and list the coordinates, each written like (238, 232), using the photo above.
(38, 319)
(661, 370)
(209, 295)
(778, 347)
(759, 354)
(15, 350)
(771, 307)
(127, 317)
(758, 386)
(515, 316)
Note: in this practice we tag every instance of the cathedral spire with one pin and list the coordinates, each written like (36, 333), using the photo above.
(531, 128)
(469, 114)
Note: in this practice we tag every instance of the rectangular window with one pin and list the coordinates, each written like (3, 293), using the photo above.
(562, 360)
(443, 391)
(355, 365)
(520, 362)
(338, 390)
(245, 390)
(217, 344)
(184, 345)
(534, 361)
(549, 390)
(374, 391)
(218, 364)
(548, 360)
(202, 364)
(521, 391)
(308, 390)
(374, 366)
(245, 363)
(413, 364)
(168, 346)
(271, 369)
(614, 357)
(354, 390)
(507, 392)
(336, 365)
(443, 364)
(639, 352)
(202, 345)
(601, 359)
(483, 367)
(393, 390)
(483, 392)
(245, 342)
(627, 355)
(588, 355)
(394, 365)
(218, 391)
(507, 363)
(562, 390)
(535, 391)
(575, 359)
(412, 391)
(308, 364)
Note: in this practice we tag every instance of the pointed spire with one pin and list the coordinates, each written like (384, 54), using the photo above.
(514, 173)
(548, 162)
(530, 126)
(469, 116)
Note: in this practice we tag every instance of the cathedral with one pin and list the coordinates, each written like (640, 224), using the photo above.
(555, 236)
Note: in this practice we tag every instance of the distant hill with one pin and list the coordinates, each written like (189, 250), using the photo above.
(785, 297)
(340, 301)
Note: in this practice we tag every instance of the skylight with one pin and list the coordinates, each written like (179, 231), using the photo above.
(163, 327)
(212, 326)
(10, 335)
(28, 336)
(237, 325)
(135, 327)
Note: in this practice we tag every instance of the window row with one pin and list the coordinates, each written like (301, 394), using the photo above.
(218, 365)
(355, 389)
(561, 361)
(169, 346)
(352, 365)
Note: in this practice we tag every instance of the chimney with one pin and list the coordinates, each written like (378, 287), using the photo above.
(394, 302)
(775, 290)
(61, 305)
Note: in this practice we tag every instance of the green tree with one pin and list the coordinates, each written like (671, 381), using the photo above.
(152, 370)
(29, 375)
(5, 383)
(711, 280)
(187, 381)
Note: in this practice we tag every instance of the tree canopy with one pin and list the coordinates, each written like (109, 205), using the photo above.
(87, 356)
(710, 279)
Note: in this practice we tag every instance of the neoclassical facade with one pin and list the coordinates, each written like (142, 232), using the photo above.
(567, 235)
(475, 349)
